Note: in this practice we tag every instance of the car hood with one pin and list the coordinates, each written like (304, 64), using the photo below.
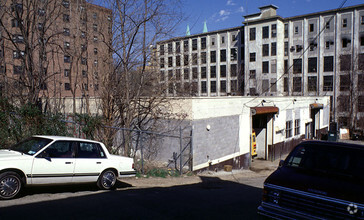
(344, 188)
(11, 155)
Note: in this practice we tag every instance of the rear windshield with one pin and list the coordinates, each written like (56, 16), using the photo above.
(328, 159)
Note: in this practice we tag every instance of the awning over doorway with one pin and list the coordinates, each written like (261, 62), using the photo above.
(264, 110)
(316, 106)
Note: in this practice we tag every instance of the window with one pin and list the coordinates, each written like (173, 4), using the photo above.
(66, 45)
(285, 84)
(213, 72)
(14, 23)
(94, 27)
(161, 62)
(194, 73)
(234, 85)
(233, 37)
(162, 76)
(203, 87)
(83, 61)
(265, 50)
(233, 70)
(170, 74)
(60, 149)
(233, 54)
(170, 48)
(194, 44)
(285, 30)
(66, 72)
(95, 51)
(18, 38)
(178, 74)
(297, 126)
(222, 86)
(265, 85)
(312, 83)
(94, 16)
(327, 45)
(84, 73)
(203, 43)
(265, 31)
(186, 60)
(212, 41)
(327, 26)
(311, 27)
(186, 74)
(194, 59)
(213, 56)
(288, 129)
(18, 7)
(67, 86)
(345, 62)
(222, 70)
(265, 67)
(203, 72)
(17, 54)
(66, 31)
(170, 61)
(213, 86)
(345, 42)
(18, 69)
(66, 18)
(252, 57)
(83, 47)
(273, 66)
(345, 22)
(252, 34)
(273, 50)
(83, 34)
(274, 31)
(96, 87)
(296, 30)
(67, 59)
(66, 4)
(285, 48)
(95, 38)
(297, 84)
(361, 61)
(90, 150)
(312, 65)
(185, 46)
(328, 83)
(222, 55)
(178, 47)
(328, 64)
(203, 57)
(95, 62)
(344, 82)
(41, 12)
(297, 65)
(285, 66)
(343, 103)
(178, 60)
(222, 40)
(361, 103)
(161, 50)
(273, 85)
(252, 74)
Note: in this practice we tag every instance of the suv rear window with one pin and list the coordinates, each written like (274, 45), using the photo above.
(341, 161)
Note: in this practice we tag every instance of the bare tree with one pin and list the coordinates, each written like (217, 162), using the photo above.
(131, 95)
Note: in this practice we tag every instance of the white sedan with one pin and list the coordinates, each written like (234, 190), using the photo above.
(46, 160)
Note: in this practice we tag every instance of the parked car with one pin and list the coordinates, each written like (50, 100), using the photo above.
(46, 160)
(318, 180)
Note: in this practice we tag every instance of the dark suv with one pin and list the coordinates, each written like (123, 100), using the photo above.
(318, 180)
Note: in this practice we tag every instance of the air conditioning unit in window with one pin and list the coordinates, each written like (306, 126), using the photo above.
(292, 49)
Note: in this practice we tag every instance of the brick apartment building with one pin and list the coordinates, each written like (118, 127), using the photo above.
(58, 48)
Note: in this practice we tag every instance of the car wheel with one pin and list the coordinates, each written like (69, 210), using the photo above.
(107, 180)
(10, 185)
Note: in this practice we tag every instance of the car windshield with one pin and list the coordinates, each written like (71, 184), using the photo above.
(31, 145)
(327, 159)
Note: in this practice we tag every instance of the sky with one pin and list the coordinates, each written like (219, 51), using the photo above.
(221, 14)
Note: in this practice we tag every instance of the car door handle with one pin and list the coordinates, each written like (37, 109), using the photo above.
(98, 162)
(68, 163)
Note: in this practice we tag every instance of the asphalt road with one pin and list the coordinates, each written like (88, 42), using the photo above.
(210, 198)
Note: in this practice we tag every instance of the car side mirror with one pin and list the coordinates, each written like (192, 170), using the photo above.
(281, 162)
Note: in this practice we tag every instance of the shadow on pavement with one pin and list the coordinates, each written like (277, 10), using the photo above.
(212, 198)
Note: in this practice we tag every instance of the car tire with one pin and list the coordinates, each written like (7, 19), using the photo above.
(107, 180)
(10, 185)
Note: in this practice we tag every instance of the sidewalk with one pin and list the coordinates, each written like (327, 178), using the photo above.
(260, 165)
